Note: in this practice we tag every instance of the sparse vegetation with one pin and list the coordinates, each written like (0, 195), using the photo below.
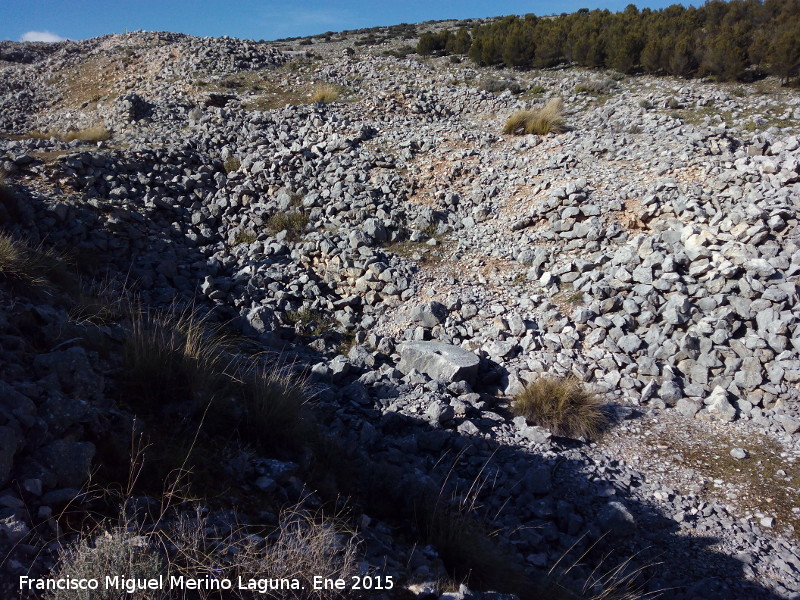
(534, 91)
(244, 237)
(113, 551)
(467, 548)
(232, 164)
(302, 546)
(562, 405)
(548, 119)
(314, 322)
(595, 87)
(419, 251)
(494, 85)
(292, 222)
(401, 52)
(325, 93)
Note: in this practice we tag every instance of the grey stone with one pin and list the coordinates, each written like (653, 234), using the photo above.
(616, 520)
(439, 361)
(70, 461)
(468, 428)
(676, 310)
(629, 343)
(500, 349)
(429, 314)
(749, 376)
(375, 229)
(61, 496)
(789, 424)
(688, 408)
(265, 484)
(760, 267)
(718, 405)
(12, 529)
(670, 392)
(439, 412)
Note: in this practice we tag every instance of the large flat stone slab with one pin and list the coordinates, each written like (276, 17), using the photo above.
(439, 361)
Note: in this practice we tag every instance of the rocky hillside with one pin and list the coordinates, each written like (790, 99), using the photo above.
(412, 269)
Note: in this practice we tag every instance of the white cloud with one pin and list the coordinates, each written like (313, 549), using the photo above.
(40, 36)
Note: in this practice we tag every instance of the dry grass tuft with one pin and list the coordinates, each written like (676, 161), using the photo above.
(595, 87)
(275, 401)
(113, 551)
(171, 358)
(548, 119)
(30, 266)
(468, 549)
(517, 122)
(563, 405)
(305, 547)
(325, 92)
(95, 133)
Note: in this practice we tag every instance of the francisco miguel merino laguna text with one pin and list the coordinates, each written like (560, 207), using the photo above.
(173, 582)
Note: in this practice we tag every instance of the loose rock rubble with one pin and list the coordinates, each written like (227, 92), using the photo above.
(425, 269)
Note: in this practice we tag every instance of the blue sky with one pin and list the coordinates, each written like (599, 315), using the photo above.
(266, 19)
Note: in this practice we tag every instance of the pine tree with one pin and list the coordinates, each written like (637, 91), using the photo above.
(680, 60)
(784, 52)
(460, 42)
(723, 58)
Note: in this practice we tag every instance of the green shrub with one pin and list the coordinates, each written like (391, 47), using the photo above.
(312, 321)
(535, 90)
(244, 237)
(401, 52)
(562, 405)
(548, 119)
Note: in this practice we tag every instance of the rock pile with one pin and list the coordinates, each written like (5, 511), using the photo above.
(426, 269)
